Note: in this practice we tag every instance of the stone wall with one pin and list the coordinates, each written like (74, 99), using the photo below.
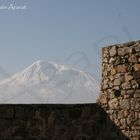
(120, 87)
(57, 122)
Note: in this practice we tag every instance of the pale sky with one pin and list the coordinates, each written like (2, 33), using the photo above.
(69, 32)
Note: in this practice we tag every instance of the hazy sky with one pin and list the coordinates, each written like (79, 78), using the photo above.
(64, 31)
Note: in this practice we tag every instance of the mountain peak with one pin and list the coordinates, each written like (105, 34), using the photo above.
(41, 63)
(38, 71)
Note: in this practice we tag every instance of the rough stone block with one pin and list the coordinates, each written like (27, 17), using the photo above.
(113, 51)
(123, 51)
(136, 75)
(132, 59)
(103, 99)
(137, 48)
(135, 104)
(104, 52)
(121, 69)
(137, 67)
(113, 71)
(117, 82)
(125, 104)
(128, 78)
(126, 86)
(137, 95)
(113, 104)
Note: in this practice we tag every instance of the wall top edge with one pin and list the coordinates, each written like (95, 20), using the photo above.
(128, 44)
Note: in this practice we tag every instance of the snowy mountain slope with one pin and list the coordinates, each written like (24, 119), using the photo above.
(47, 82)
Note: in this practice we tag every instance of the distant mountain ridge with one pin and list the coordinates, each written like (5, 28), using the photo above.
(48, 82)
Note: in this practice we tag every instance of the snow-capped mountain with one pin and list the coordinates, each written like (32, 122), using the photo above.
(47, 82)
